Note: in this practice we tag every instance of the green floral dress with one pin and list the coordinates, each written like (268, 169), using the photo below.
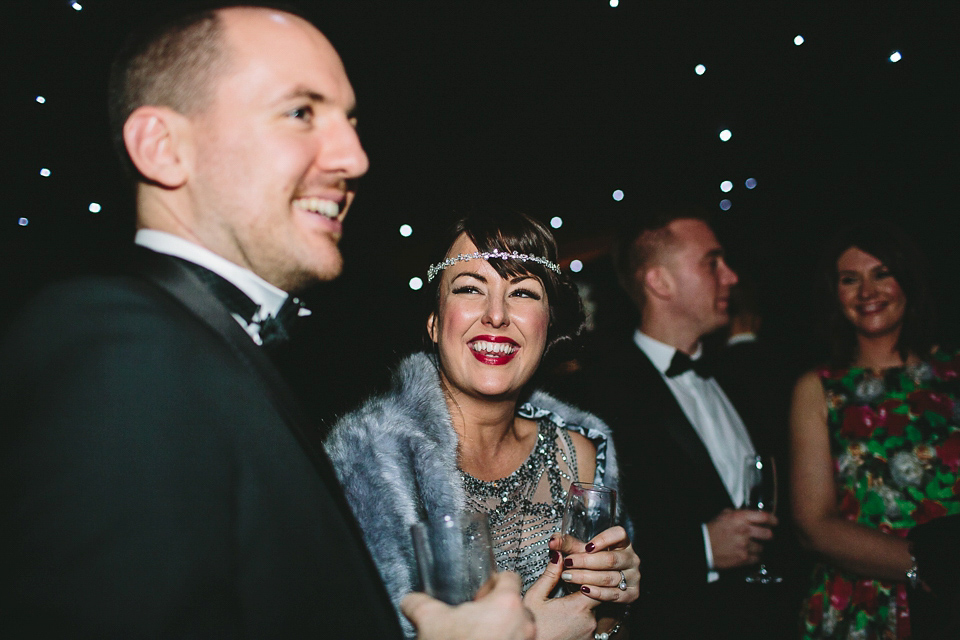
(895, 441)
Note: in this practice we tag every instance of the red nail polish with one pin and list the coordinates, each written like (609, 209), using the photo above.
(585, 589)
(568, 562)
(590, 547)
(554, 556)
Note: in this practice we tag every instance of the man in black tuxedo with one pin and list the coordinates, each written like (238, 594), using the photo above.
(158, 477)
(683, 443)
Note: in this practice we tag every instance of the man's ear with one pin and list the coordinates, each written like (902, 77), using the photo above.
(658, 281)
(157, 140)
(432, 327)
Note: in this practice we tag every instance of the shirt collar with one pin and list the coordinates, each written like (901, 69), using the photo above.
(660, 353)
(269, 297)
(746, 336)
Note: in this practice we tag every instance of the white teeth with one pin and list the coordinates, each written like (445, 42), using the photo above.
(327, 208)
(482, 346)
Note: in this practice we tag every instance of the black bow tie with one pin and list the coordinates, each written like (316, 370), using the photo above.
(274, 330)
(681, 363)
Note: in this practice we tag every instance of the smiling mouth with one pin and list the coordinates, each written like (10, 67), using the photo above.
(326, 208)
(498, 351)
(873, 307)
(483, 347)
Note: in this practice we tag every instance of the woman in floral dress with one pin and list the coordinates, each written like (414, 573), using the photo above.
(875, 440)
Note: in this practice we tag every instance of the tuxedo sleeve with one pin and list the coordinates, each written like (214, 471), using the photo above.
(118, 498)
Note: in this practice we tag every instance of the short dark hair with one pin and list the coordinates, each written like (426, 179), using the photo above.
(643, 237)
(506, 230)
(898, 252)
(171, 63)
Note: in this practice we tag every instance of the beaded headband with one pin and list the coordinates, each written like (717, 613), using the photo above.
(486, 255)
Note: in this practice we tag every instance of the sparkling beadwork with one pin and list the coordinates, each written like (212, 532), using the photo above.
(486, 255)
(521, 526)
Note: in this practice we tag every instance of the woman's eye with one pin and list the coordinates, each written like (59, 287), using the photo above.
(526, 293)
(884, 273)
(848, 280)
(466, 289)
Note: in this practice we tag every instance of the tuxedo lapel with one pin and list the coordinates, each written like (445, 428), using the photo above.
(184, 286)
(664, 412)
(670, 416)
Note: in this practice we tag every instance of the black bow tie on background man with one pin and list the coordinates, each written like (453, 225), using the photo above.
(682, 363)
(274, 330)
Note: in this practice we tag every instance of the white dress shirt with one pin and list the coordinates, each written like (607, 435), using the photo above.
(269, 297)
(712, 416)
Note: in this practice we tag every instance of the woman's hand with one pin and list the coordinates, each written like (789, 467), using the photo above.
(600, 564)
(567, 618)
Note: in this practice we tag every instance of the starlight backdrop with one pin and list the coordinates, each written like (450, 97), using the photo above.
(549, 107)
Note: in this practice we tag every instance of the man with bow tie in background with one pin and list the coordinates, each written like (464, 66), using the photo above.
(684, 443)
(157, 476)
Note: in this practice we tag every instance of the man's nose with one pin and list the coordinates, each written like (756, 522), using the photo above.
(728, 276)
(341, 151)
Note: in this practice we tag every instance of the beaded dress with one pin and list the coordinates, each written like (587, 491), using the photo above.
(526, 507)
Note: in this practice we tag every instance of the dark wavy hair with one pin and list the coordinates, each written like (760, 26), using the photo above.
(899, 253)
(506, 230)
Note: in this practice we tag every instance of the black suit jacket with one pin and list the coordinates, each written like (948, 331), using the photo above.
(159, 481)
(670, 487)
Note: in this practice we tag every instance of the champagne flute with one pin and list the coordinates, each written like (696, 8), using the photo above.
(454, 554)
(760, 492)
(590, 509)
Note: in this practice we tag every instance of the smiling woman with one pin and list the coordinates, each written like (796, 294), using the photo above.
(462, 431)
(873, 435)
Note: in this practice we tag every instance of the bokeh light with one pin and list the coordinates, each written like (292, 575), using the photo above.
(406, 230)
(726, 186)
(576, 266)
(618, 195)
(726, 134)
(556, 222)
(94, 207)
(700, 69)
(45, 172)
(725, 204)
(750, 183)
(416, 283)
(798, 40)
(895, 56)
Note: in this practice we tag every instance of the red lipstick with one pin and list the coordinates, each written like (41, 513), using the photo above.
(493, 350)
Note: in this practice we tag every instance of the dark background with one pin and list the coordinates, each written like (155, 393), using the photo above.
(547, 107)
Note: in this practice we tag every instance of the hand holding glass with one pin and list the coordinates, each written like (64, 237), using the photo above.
(760, 492)
(455, 556)
(590, 510)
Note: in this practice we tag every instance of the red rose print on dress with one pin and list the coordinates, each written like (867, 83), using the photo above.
(840, 591)
(850, 506)
(865, 596)
(859, 422)
(921, 401)
(947, 370)
(815, 610)
(949, 452)
(894, 422)
(929, 510)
